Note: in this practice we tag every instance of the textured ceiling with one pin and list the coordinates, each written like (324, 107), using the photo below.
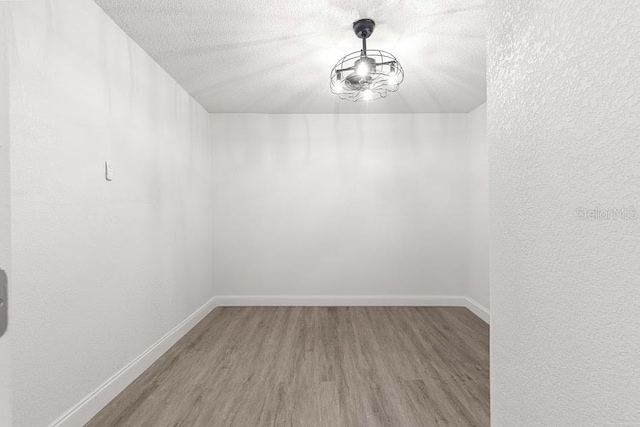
(274, 56)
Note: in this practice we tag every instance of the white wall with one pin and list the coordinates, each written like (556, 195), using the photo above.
(341, 204)
(304, 205)
(5, 225)
(478, 199)
(564, 120)
(101, 270)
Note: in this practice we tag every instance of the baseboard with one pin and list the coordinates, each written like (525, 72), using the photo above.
(478, 309)
(353, 300)
(339, 300)
(98, 399)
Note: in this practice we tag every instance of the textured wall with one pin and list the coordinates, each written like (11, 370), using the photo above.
(564, 120)
(101, 270)
(478, 198)
(341, 204)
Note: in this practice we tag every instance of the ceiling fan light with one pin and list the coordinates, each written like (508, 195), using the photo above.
(366, 74)
(362, 69)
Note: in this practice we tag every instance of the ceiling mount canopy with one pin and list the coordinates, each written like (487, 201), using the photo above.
(367, 74)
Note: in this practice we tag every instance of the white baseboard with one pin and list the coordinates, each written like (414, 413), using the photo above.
(339, 300)
(353, 300)
(98, 399)
(478, 309)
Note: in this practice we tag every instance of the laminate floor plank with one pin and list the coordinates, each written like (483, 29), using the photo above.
(316, 367)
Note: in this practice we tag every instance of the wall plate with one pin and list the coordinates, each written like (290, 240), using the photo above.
(108, 171)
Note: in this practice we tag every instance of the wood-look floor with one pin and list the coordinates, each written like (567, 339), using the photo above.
(316, 366)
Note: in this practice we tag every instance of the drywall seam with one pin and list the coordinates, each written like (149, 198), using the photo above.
(96, 400)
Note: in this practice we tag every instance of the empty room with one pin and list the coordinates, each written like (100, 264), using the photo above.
(328, 213)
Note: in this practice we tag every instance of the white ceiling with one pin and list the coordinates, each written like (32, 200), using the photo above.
(274, 56)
